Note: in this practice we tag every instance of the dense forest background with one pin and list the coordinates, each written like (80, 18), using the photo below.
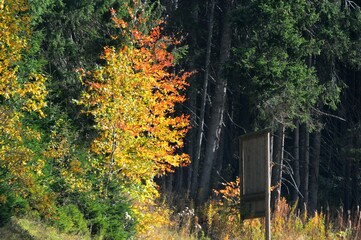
(107, 105)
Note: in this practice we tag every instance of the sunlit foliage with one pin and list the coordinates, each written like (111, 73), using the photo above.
(19, 96)
(132, 99)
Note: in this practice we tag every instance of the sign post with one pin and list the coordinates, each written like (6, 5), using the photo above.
(255, 172)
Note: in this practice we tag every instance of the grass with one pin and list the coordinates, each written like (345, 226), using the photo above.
(26, 229)
(220, 219)
(222, 222)
(217, 219)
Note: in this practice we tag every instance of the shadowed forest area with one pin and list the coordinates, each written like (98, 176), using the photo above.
(121, 119)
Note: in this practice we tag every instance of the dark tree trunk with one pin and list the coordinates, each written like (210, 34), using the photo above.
(219, 163)
(217, 112)
(296, 162)
(192, 93)
(169, 183)
(178, 180)
(355, 172)
(200, 133)
(347, 184)
(314, 171)
(304, 166)
(278, 139)
(190, 148)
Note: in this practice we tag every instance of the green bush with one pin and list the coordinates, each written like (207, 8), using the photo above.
(10, 204)
(71, 220)
(109, 218)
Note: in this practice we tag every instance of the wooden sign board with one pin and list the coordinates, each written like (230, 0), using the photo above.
(255, 174)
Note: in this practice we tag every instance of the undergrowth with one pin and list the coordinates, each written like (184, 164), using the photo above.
(220, 219)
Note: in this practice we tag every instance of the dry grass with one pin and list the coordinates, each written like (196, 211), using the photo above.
(222, 221)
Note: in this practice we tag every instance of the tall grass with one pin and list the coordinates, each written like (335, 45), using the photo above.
(220, 219)
(222, 222)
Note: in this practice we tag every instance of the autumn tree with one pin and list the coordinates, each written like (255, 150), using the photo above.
(20, 95)
(132, 99)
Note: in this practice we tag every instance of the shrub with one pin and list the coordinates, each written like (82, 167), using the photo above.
(71, 220)
(10, 204)
(109, 218)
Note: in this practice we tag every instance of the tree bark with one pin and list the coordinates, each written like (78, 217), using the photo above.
(190, 148)
(218, 107)
(219, 163)
(200, 133)
(304, 166)
(347, 184)
(314, 171)
(178, 180)
(277, 163)
(355, 172)
(296, 162)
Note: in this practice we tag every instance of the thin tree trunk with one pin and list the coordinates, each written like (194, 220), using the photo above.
(314, 171)
(347, 184)
(190, 148)
(296, 162)
(179, 180)
(192, 96)
(304, 165)
(217, 112)
(278, 163)
(355, 172)
(200, 132)
(169, 183)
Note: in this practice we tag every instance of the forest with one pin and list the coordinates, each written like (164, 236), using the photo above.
(121, 119)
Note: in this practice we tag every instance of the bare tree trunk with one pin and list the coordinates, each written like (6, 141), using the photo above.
(217, 112)
(278, 163)
(314, 171)
(296, 162)
(304, 165)
(200, 132)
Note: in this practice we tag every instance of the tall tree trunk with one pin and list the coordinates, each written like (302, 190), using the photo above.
(219, 163)
(192, 94)
(347, 184)
(218, 107)
(179, 180)
(278, 163)
(296, 162)
(189, 144)
(169, 183)
(355, 172)
(200, 133)
(304, 165)
(314, 171)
